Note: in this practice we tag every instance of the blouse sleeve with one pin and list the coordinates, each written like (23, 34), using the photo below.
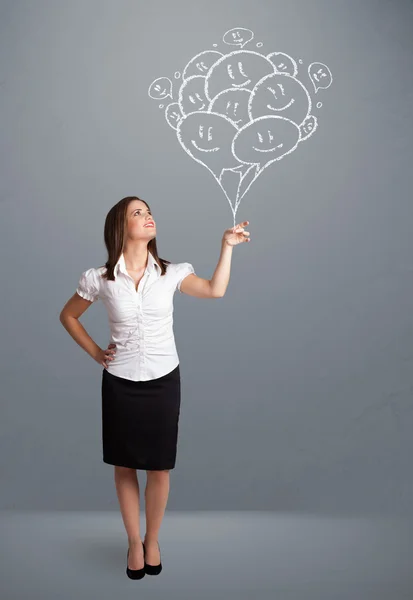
(184, 269)
(88, 286)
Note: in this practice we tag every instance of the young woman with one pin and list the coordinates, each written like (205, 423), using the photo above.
(141, 375)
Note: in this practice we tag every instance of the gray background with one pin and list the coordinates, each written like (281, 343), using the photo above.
(297, 386)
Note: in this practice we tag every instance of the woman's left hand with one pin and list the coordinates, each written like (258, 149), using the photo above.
(236, 235)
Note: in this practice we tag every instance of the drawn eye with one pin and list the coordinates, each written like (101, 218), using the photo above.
(241, 70)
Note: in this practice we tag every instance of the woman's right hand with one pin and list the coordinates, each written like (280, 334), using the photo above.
(104, 356)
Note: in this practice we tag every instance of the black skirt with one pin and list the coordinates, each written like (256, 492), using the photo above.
(140, 421)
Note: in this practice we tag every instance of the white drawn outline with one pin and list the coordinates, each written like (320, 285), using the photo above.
(235, 30)
(217, 179)
(225, 57)
(180, 95)
(225, 92)
(295, 68)
(310, 121)
(172, 106)
(247, 172)
(261, 82)
(162, 96)
(259, 171)
(313, 77)
(199, 56)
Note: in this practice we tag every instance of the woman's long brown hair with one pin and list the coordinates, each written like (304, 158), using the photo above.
(114, 236)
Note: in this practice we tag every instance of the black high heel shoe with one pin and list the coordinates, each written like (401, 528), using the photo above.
(152, 569)
(134, 573)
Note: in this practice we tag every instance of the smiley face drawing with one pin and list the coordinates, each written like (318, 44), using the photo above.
(280, 94)
(192, 95)
(201, 63)
(266, 140)
(240, 69)
(160, 89)
(238, 36)
(173, 114)
(207, 138)
(320, 75)
(232, 104)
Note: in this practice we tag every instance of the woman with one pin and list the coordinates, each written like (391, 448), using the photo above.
(141, 376)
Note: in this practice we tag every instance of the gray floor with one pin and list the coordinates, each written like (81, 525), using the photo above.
(208, 555)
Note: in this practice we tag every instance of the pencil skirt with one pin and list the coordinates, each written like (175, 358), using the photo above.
(140, 421)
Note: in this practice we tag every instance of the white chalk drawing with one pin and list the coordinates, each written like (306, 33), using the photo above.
(173, 114)
(161, 88)
(238, 36)
(201, 63)
(283, 63)
(308, 126)
(320, 75)
(237, 113)
(280, 93)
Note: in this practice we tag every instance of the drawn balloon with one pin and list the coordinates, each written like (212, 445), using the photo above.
(232, 103)
(240, 69)
(173, 114)
(283, 63)
(160, 88)
(238, 36)
(320, 76)
(201, 63)
(240, 112)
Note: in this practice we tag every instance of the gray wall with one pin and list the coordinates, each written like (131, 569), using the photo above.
(297, 386)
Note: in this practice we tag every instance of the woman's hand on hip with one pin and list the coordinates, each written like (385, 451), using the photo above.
(104, 356)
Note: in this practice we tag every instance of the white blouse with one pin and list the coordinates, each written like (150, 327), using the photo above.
(141, 322)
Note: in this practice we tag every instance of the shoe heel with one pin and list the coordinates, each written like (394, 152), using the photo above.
(152, 569)
(134, 573)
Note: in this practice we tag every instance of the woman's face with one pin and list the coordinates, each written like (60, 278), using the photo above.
(138, 218)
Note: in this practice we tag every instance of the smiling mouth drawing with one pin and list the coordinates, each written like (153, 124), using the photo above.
(283, 108)
(241, 84)
(203, 149)
(270, 150)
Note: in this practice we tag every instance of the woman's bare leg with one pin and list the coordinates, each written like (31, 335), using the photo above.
(127, 489)
(156, 497)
